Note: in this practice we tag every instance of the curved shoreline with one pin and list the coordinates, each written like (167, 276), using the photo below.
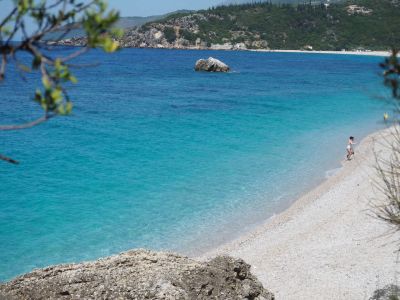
(325, 245)
(362, 53)
(381, 53)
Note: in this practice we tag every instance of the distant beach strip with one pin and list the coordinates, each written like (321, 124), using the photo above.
(364, 53)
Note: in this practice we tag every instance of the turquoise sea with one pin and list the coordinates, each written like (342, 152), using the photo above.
(158, 156)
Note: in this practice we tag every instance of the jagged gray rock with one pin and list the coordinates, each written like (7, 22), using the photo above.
(389, 292)
(140, 274)
(211, 65)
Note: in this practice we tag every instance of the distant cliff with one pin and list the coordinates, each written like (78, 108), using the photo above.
(357, 24)
(76, 32)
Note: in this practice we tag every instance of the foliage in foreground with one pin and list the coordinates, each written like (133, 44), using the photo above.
(389, 169)
(55, 71)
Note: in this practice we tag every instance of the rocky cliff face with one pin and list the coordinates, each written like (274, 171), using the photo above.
(140, 275)
(329, 25)
(182, 32)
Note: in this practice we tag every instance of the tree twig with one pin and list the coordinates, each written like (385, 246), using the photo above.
(8, 159)
(31, 124)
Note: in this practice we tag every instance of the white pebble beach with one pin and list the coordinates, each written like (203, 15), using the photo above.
(327, 245)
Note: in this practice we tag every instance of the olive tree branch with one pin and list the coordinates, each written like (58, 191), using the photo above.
(8, 159)
(54, 70)
(8, 17)
(30, 124)
(3, 65)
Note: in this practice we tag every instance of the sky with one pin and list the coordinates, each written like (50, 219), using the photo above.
(129, 8)
(155, 7)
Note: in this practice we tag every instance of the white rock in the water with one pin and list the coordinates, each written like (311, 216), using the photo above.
(211, 65)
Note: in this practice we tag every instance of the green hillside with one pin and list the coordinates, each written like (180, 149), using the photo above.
(372, 24)
(238, 2)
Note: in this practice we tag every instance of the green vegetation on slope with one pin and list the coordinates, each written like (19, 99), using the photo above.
(285, 26)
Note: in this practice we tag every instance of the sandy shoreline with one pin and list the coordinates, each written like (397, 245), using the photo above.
(326, 245)
(363, 53)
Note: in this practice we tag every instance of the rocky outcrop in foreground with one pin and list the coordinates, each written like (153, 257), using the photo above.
(390, 292)
(211, 65)
(140, 275)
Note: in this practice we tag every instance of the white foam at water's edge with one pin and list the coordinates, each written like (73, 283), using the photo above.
(332, 172)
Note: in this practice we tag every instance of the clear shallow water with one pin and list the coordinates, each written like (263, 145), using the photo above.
(161, 157)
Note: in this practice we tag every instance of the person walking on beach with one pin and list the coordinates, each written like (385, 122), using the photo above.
(350, 150)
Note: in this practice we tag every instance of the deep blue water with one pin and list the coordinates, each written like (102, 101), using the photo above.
(158, 156)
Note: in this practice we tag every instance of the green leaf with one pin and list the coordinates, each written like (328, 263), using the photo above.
(43, 104)
(46, 82)
(56, 95)
(68, 107)
(24, 68)
(58, 64)
(73, 79)
(117, 32)
(61, 110)
(6, 30)
(37, 60)
(110, 45)
(38, 96)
